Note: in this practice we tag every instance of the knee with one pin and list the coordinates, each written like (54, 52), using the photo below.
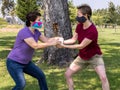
(67, 74)
(103, 78)
(21, 85)
(41, 76)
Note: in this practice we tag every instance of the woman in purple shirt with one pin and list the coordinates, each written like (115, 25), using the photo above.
(19, 59)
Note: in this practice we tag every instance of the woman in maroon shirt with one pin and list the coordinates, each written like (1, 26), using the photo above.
(89, 51)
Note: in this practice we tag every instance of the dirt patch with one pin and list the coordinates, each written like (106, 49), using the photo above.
(9, 30)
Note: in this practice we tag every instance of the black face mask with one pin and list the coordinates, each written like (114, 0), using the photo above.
(81, 19)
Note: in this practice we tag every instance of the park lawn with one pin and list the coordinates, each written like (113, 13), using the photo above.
(85, 80)
(3, 23)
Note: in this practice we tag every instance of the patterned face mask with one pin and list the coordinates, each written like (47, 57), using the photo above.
(37, 24)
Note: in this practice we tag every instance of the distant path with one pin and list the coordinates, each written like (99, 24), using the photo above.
(9, 29)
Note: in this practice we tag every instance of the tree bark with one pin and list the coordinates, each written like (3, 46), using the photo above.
(57, 23)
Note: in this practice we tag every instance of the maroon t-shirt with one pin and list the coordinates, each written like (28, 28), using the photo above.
(92, 34)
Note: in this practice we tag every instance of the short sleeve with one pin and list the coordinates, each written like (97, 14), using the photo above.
(92, 34)
(24, 33)
(38, 33)
(78, 28)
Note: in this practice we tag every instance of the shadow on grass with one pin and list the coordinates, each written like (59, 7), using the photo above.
(6, 88)
(113, 44)
(84, 80)
(6, 44)
(29, 86)
(7, 41)
(89, 80)
(112, 58)
(4, 54)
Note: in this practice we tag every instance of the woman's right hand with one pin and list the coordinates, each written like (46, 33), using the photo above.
(53, 41)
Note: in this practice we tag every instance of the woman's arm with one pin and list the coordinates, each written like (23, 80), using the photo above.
(72, 40)
(32, 43)
(46, 39)
(42, 38)
(82, 45)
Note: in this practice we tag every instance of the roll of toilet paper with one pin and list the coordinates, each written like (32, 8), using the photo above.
(61, 40)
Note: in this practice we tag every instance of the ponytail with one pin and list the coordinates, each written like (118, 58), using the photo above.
(27, 23)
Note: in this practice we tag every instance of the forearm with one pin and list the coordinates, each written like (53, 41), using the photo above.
(45, 39)
(76, 46)
(69, 41)
(33, 44)
(82, 45)
(49, 40)
(42, 45)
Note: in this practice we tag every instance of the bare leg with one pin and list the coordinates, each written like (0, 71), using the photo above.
(102, 75)
(68, 75)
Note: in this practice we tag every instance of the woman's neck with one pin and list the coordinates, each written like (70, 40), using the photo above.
(87, 24)
(32, 29)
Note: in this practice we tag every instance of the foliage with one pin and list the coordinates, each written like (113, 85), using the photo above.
(72, 11)
(118, 15)
(98, 16)
(109, 15)
(25, 6)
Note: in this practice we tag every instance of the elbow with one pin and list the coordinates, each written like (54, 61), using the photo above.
(81, 47)
(35, 46)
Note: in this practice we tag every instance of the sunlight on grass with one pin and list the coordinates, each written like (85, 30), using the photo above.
(3, 23)
(84, 80)
(14, 26)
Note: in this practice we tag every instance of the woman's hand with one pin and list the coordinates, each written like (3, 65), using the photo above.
(53, 41)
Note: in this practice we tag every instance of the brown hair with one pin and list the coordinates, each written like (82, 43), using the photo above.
(85, 9)
(31, 16)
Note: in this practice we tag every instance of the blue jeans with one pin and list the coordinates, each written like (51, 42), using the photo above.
(17, 71)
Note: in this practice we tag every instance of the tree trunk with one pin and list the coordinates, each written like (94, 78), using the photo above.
(57, 23)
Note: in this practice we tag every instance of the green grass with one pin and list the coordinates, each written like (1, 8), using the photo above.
(3, 23)
(85, 80)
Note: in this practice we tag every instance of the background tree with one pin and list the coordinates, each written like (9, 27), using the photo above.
(118, 15)
(108, 16)
(97, 17)
(25, 6)
(40, 3)
(100, 17)
(111, 13)
(57, 23)
(7, 7)
(72, 11)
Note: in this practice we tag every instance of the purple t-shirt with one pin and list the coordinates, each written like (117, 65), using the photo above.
(21, 51)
